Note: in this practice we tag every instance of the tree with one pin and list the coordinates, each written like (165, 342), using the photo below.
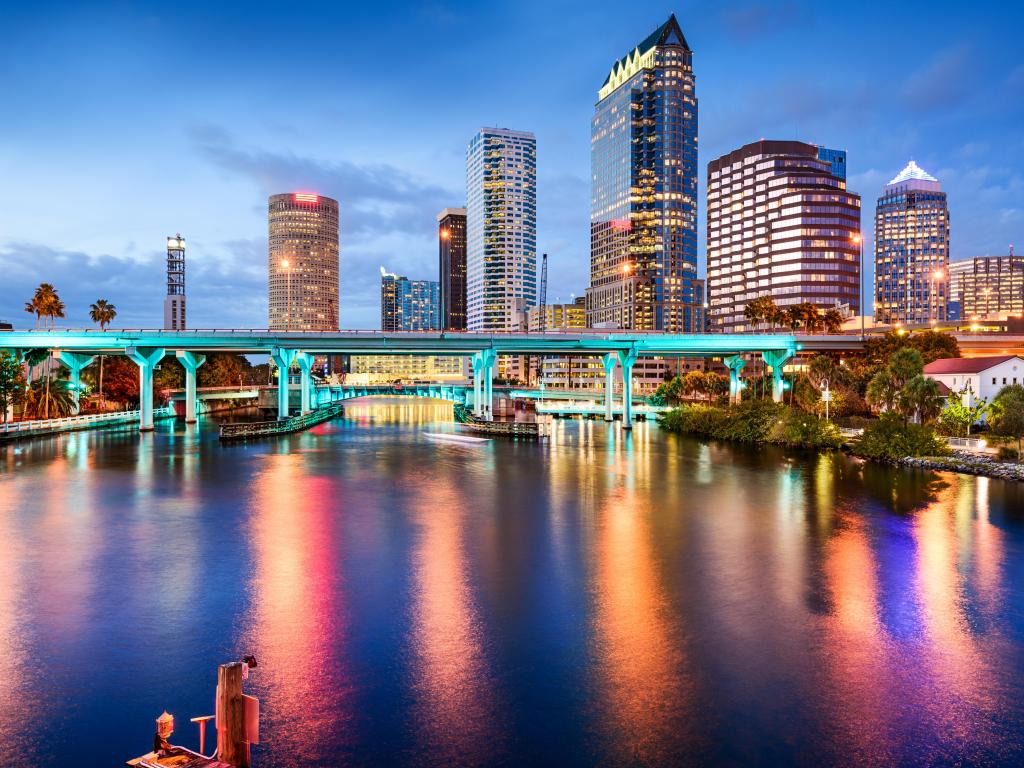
(12, 382)
(122, 380)
(920, 399)
(833, 320)
(957, 419)
(1007, 414)
(46, 303)
(223, 369)
(886, 387)
(49, 402)
(102, 313)
(694, 383)
(761, 310)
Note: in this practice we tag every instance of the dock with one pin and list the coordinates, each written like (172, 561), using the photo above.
(189, 759)
(517, 430)
(249, 430)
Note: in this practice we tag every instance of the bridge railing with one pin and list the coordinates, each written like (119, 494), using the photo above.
(76, 422)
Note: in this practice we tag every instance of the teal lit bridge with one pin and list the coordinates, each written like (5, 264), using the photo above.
(78, 348)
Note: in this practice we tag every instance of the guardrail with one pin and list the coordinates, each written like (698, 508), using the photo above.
(250, 429)
(978, 444)
(71, 423)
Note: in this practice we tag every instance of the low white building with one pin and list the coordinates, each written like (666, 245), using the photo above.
(979, 378)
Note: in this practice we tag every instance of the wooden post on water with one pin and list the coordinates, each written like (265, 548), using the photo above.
(232, 746)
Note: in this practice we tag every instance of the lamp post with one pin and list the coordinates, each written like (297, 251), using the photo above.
(286, 266)
(826, 396)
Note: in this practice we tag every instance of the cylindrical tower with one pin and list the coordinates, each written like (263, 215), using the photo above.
(303, 262)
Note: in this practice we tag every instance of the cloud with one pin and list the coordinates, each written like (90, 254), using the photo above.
(375, 198)
(942, 83)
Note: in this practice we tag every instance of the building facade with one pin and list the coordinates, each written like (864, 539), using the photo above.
(408, 305)
(501, 228)
(976, 378)
(303, 264)
(782, 224)
(643, 217)
(988, 287)
(451, 241)
(174, 302)
(386, 369)
(912, 250)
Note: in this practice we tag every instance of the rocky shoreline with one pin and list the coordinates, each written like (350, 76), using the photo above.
(968, 464)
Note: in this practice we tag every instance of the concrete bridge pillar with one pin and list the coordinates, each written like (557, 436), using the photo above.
(489, 357)
(146, 358)
(626, 360)
(735, 364)
(609, 361)
(75, 361)
(305, 361)
(777, 359)
(283, 359)
(190, 361)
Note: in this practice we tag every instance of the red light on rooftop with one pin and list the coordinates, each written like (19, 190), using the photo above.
(303, 197)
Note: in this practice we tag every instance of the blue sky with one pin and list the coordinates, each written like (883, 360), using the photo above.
(122, 123)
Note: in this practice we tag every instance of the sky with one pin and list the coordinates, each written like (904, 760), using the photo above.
(123, 123)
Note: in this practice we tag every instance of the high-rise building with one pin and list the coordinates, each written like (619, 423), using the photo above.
(781, 223)
(408, 305)
(303, 262)
(988, 287)
(501, 228)
(557, 317)
(643, 216)
(174, 302)
(912, 249)
(451, 240)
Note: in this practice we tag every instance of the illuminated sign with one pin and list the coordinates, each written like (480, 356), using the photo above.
(303, 197)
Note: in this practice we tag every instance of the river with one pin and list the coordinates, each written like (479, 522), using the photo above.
(597, 598)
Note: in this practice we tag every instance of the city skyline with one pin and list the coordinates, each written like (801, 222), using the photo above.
(389, 197)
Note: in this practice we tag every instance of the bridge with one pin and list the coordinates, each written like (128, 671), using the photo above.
(78, 348)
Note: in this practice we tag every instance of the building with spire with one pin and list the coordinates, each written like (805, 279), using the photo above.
(643, 217)
(174, 302)
(912, 250)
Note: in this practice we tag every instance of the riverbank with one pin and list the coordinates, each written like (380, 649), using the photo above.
(965, 463)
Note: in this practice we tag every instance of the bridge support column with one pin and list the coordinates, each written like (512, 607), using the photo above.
(777, 359)
(283, 359)
(626, 360)
(478, 379)
(146, 358)
(609, 361)
(305, 361)
(190, 361)
(490, 357)
(75, 361)
(735, 364)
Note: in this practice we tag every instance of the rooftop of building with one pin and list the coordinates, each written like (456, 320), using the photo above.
(765, 147)
(914, 177)
(959, 365)
(446, 212)
(668, 33)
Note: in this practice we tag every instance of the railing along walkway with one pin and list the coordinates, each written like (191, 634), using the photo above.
(251, 429)
(72, 423)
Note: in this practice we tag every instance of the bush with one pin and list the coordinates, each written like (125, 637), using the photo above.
(889, 438)
(750, 422)
(1006, 453)
(803, 430)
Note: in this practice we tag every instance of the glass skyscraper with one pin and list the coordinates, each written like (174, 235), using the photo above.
(408, 305)
(451, 244)
(912, 249)
(501, 229)
(643, 221)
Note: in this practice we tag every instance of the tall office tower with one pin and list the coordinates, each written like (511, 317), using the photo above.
(781, 223)
(303, 262)
(501, 228)
(954, 304)
(174, 302)
(451, 240)
(911, 249)
(643, 215)
(988, 287)
(408, 305)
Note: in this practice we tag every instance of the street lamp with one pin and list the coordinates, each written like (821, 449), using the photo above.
(285, 265)
(826, 396)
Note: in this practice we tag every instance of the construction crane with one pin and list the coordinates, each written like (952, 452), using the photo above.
(543, 292)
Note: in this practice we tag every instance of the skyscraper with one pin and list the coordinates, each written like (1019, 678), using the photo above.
(451, 240)
(643, 217)
(408, 305)
(501, 228)
(303, 262)
(174, 302)
(912, 249)
(781, 223)
(988, 287)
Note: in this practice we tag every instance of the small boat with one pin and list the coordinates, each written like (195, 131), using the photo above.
(452, 437)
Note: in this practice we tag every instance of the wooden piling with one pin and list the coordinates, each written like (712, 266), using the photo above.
(232, 746)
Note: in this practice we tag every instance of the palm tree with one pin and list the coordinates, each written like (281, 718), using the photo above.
(103, 313)
(833, 320)
(920, 399)
(46, 304)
